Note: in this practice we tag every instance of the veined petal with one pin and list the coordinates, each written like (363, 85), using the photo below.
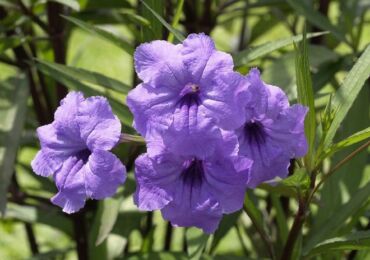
(56, 147)
(227, 180)
(193, 206)
(65, 116)
(40, 165)
(225, 99)
(70, 180)
(192, 133)
(153, 108)
(159, 63)
(99, 127)
(155, 177)
(288, 131)
(104, 173)
(196, 51)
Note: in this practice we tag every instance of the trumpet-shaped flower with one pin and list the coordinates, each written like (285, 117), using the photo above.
(192, 191)
(189, 91)
(273, 131)
(75, 150)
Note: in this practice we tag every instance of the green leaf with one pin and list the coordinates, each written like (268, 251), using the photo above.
(306, 96)
(106, 217)
(291, 186)
(337, 218)
(13, 100)
(176, 18)
(157, 256)
(353, 139)
(119, 42)
(8, 4)
(118, 106)
(347, 93)
(87, 76)
(227, 222)
(316, 18)
(10, 42)
(45, 214)
(196, 241)
(281, 219)
(355, 241)
(178, 35)
(73, 4)
(246, 56)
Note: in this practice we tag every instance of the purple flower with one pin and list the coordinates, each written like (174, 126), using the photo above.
(75, 149)
(191, 191)
(189, 90)
(273, 132)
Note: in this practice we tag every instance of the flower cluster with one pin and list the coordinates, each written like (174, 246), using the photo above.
(211, 132)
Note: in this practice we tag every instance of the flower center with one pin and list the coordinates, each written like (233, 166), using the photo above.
(193, 173)
(189, 95)
(255, 132)
(83, 155)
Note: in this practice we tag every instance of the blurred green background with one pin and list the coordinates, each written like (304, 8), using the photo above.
(237, 27)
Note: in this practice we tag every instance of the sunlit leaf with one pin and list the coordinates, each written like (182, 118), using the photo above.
(119, 42)
(355, 241)
(306, 96)
(88, 76)
(178, 35)
(347, 93)
(336, 219)
(196, 241)
(316, 18)
(246, 56)
(13, 100)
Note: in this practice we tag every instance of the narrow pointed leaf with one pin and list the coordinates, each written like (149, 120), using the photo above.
(12, 113)
(246, 56)
(88, 76)
(306, 95)
(176, 18)
(119, 42)
(347, 93)
(355, 241)
(74, 4)
(178, 35)
(196, 241)
(353, 139)
(316, 18)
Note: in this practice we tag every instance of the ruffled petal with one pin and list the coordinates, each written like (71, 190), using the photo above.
(193, 206)
(99, 127)
(159, 63)
(104, 173)
(65, 116)
(224, 99)
(40, 165)
(155, 179)
(288, 131)
(257, 98)
(196, 51)
(70, 181)
(227, 180)
(277, 101)
(192, 133)
(56, 147)
(263, 172)
(152, 108)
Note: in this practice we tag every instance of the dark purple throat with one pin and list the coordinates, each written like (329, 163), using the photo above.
(193, 174)
(189, 96)
(255, 133)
